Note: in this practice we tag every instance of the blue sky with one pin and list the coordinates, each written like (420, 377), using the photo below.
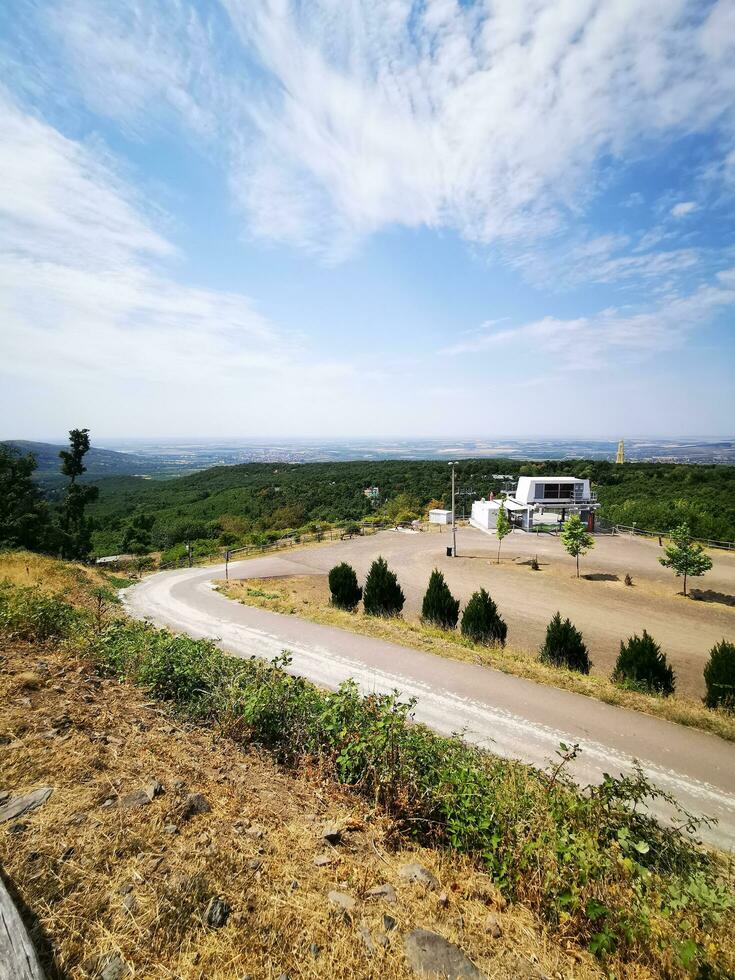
(500, 218)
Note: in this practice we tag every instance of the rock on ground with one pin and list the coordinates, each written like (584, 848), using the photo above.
(18, 805)
(431, 955)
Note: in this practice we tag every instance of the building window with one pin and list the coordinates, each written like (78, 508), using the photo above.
(558, 491)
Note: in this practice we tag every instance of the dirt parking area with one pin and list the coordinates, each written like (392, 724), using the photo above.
(599, 603)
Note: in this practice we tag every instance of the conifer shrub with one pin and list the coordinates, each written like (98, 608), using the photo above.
(439, 606)
(564, 646)
(642, 665)
(345, 592)
(481, 621)
(719, 676)
(382, 595)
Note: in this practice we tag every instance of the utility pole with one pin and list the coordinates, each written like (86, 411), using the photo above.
(454, 522)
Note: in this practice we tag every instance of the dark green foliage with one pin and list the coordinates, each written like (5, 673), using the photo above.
(136, 538)
(75, 529)
(32, 615)
(24, 516)
(481, 621)
(382, 595)
(439, 606)
(642, 665)
(719, 676)
(564, 647)
(346, 593)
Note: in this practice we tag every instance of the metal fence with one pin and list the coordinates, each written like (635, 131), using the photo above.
(641, 532)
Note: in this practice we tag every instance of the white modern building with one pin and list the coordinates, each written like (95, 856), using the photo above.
(438, 516)
(539, 500)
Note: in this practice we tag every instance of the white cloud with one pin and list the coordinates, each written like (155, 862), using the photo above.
(339, 119)
(87, 291)
(601, 340)
(683, 208)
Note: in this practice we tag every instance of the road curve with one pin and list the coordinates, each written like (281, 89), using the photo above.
(511, 716)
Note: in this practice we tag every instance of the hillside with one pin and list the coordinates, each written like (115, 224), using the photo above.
(99, 462)
(239, 503)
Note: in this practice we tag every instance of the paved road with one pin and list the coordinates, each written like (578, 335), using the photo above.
(511, 716)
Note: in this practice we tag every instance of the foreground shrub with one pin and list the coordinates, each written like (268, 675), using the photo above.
(439, 606)
(30, 614)
(594, 864)
(642, 665)
(345, 592)
(719, 676)
(383, 595)
(481, 621)
(564, 647)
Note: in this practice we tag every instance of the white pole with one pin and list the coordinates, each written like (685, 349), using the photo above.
(454, 523)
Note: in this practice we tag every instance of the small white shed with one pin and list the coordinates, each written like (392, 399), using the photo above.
(438, 516)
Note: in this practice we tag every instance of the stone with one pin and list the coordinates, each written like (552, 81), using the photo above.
(109, 966)
(133, 801)
(492, 927)
(322, 860)
(332, 833)
(218, 912)
(417, 872)
(19, 827)
(443, 900)
(257, 833)
(16, 806)
(314, 950)
(4, 795)
(342, 899)
(170, 828)
(431, 955)
(195, 804)
(255, 864)
(154, 788)
(366, 939)
(389, 923)
(130, 903)
(385, 891)
(125, 888)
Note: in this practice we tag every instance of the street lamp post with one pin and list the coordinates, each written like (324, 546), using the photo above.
(454, 523)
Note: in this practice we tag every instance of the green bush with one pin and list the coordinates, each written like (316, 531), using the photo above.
(30, 614)
(382, 595)
(564, 647)
(719, 676)
(439, 606)
(346, 593)
(481, 621)
(642, 666)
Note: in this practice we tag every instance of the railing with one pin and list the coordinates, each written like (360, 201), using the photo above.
(640, 532)
(328, 534)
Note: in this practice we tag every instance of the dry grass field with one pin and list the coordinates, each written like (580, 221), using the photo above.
(599, 603)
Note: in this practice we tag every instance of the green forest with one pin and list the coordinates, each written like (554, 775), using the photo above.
(254, 502)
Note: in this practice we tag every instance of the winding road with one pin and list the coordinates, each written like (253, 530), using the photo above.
(511, 716)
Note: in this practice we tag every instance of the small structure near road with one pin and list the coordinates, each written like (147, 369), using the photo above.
(539, 500)
(439, 516)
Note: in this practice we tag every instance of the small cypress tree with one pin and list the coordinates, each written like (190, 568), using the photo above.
(382, 595)
(439, 606)
(481, 621)
(346, 593)
(719, 676)
(564, 646)
(641, 664)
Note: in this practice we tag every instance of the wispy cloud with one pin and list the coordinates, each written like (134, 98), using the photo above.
(594, 342)
(88, 285)
(335, 121)
(683, 208)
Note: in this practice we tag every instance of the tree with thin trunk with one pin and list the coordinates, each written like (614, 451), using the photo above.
(75, 528)
(503, 527)
(684, 556)
(575, 538)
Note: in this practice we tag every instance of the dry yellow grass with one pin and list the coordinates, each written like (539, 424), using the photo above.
(308, 596)
(71, 581)
(99, 879)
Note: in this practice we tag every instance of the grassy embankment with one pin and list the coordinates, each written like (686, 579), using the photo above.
(600, 876)
(308, 596)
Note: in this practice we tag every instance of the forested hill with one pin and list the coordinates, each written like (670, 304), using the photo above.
(229, 504)
(99, 462)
